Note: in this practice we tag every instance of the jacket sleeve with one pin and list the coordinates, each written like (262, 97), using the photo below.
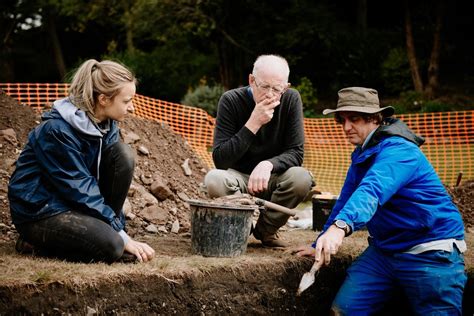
(231, 141)
(61, 159)
(393, 167)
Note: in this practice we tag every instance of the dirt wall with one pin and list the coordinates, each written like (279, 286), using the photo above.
(221, 291)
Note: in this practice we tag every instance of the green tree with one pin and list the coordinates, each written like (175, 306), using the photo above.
(204, 97)
(308, 96)
(395, 71)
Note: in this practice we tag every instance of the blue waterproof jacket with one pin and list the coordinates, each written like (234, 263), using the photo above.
(393, 190)
(58, 169)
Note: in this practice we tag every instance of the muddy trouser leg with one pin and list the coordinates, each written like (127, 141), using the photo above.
(287, 189)
(225, 182)
(77, 236)
(116, 174)
(73, 236)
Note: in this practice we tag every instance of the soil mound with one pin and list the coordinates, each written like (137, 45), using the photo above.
(463, 197)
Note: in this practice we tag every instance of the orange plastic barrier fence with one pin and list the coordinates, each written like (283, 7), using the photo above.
(449, 135)
(449, 145)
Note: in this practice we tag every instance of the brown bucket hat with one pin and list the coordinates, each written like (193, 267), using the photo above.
(358, 99)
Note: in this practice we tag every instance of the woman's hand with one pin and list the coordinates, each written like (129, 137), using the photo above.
(142, 251)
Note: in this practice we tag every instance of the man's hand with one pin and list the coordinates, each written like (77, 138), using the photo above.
(258, 180)
(262, 114)
(328, 244)
(141, 250)
(304, 251)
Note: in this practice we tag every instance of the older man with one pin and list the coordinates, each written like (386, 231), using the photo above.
(416, 232)
(258, 145)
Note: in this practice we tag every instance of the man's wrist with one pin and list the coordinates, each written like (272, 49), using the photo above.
(252, 127)
(268, 164)
(343, 226)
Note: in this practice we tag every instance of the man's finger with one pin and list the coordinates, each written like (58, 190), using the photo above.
(327, 256)
(250, 187)
(317, 254)
(270, 106)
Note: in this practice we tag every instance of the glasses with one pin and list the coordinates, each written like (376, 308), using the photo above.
(267, 88)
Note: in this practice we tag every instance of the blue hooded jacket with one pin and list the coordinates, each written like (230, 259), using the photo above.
(58, 169)
(393, 190)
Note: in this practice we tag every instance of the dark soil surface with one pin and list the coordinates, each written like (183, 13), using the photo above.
(260, 282)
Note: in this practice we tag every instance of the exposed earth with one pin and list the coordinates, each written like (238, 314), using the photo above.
(167, 173)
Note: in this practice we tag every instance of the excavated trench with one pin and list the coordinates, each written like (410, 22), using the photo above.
(253, 289)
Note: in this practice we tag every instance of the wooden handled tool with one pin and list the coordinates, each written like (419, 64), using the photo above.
(275, 207)
(308, 278)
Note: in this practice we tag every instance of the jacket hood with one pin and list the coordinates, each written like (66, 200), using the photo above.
(394, 127)
(77, 118)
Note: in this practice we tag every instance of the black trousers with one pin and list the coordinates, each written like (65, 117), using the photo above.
(75, 236)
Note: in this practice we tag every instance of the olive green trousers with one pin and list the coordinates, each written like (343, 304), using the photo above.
(287, 189)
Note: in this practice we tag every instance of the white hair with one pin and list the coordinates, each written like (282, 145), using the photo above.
(273, 63)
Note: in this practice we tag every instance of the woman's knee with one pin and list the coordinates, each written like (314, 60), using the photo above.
(122, 154)
(113, 250)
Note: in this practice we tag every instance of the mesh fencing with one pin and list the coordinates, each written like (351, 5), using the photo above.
(449, 135)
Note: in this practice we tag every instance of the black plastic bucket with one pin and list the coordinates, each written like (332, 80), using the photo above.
(219, 230)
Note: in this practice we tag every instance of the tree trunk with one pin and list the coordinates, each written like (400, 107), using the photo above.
(128, 30)
(362, 16)
(415, 73)
(7, 73)
(223, 65)
(128, 21)
(433, 68)
(57, 51)
(129, 39)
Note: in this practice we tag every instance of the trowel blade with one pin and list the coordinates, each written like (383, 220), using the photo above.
(306, 281)
(308, 278)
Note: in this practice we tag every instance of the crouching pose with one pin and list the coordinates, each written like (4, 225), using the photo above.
(72, 177)
(259, 145)
(416, 241)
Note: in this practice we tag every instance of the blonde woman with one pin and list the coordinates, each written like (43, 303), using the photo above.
(71, 179)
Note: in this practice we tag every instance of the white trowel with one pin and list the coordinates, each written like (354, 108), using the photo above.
(308, 278)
